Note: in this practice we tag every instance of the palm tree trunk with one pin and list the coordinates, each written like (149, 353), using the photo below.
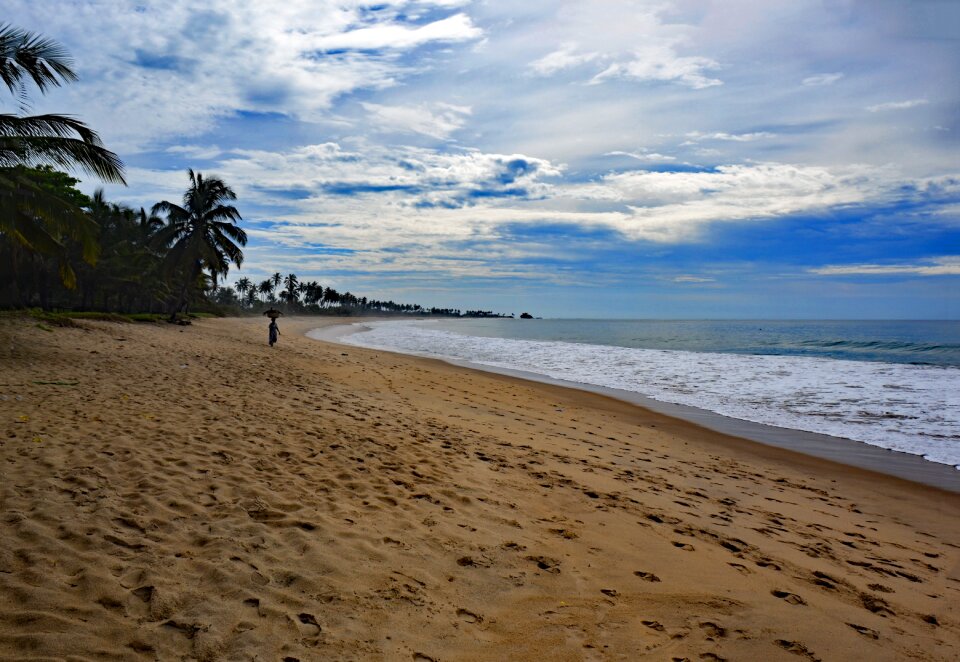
(182, 298)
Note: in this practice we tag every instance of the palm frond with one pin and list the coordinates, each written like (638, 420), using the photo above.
(221, 213)
(41, 126)
(232, 231)
(29, 55)
(34, 148)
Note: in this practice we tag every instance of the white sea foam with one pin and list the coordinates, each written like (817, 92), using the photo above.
(909, 408)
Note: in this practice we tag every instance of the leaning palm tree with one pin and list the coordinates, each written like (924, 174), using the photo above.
(201, 234)
(31, 215)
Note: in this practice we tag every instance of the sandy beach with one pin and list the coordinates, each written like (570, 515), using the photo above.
(191, 493)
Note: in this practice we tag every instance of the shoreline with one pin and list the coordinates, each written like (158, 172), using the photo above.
(192, 493)
(848, 452)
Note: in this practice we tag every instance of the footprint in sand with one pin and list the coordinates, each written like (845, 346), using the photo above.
(797, 648)
(189, 630)
(141, 647)
(309, 620)
(865, 631)
(646, 576)
(469, 616)
(684, 546)
(786, 596)
(546, 563)
(713, 631)
(470, 562)
(144, 593)
(876, 605)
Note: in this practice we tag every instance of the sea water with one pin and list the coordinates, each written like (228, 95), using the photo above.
(895, 385)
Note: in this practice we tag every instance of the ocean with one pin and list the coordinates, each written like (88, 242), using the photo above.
(891, 384)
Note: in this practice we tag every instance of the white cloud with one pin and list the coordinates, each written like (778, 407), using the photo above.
(897, 105)
(369, 176)
(692, 279)
(564, 58)
(438, 122)
(196, 151)
(939, 266)
(458, 27)
(696, 136)
(672, 207)
(643, 155)
(661, 63)
(822, 79)
(182, 68)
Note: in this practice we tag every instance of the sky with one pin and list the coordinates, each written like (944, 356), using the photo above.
(613, 158)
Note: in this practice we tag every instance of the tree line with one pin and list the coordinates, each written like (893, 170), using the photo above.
(298, 297)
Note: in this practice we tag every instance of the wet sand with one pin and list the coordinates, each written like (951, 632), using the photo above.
(171, 493)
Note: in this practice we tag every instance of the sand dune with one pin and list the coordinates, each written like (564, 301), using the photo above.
(170, 493)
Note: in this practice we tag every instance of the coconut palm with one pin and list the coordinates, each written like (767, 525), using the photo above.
(291, 283)
(201, 234)
(266, 288)
(30, 214)
(243, 286)
(149, 224)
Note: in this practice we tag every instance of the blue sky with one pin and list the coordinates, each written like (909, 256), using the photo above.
(684, 158)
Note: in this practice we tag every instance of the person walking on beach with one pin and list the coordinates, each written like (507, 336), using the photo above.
(274, 331)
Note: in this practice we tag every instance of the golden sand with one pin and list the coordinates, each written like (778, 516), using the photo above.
(190, 493)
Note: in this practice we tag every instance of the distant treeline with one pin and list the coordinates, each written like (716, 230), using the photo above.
(310, 297)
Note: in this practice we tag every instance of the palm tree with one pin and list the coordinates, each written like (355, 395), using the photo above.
(31, 215)
(149, 224)
(202, 234)
(266, 287)
(291, 283)
(243, 286)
